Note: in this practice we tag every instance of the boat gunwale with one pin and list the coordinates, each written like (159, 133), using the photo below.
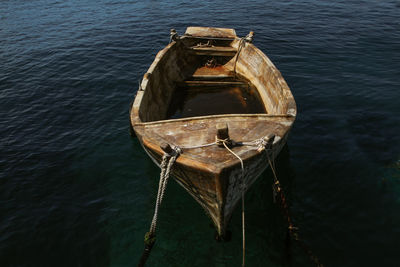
(290, 102)
(134, 113)
(216, 116)
(152, 143)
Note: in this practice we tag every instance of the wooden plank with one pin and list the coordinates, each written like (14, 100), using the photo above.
(219, 116)
(212, 73)
(208, 38)
(213, 50)
(212, 76)
(211, 32)
(212, 84)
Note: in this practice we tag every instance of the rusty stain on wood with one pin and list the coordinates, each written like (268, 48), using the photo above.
(212, 174)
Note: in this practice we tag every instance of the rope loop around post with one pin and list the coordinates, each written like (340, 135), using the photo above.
(173, 36)
(247, 39)
(241, 44)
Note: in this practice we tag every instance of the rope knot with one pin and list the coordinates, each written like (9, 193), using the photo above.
(249, 37)
(173, 36)
(171, 151)
(221, 142)
(265, 142)
(261, 144)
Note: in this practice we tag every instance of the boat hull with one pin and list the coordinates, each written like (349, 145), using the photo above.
(220, 193)
(204, 59)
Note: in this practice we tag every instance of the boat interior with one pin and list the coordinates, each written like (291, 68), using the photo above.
(202, 75)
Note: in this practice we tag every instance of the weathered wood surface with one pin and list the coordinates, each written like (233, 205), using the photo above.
(211, 32)
(213, 51)
(212, 174)
(212, 73)
(212, 83)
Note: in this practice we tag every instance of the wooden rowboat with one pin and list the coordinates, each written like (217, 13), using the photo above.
(204, 79)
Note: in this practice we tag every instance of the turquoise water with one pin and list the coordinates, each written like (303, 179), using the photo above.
(76, 190)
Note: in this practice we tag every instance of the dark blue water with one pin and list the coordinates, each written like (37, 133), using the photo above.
(76, 190)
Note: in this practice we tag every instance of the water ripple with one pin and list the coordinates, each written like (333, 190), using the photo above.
(75, 190)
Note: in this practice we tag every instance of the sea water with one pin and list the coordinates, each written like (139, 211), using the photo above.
(77, 190)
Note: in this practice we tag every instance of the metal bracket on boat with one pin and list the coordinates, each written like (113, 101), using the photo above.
(173, 36)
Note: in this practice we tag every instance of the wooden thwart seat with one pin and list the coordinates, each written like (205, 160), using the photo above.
(213, 50)
(214, 83)
(212, 73)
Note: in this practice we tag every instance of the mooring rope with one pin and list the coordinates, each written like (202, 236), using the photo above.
(150, 237)
(161, 186)
(241, 44)
(248, 38)
(225, 143)
(198, 146)
(277, 191)
(260, 144)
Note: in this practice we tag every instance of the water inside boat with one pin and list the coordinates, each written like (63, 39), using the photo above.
(213, 91)
(211, 86)
(201, 98)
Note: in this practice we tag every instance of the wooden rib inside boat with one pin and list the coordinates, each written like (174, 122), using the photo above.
(203, 78)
